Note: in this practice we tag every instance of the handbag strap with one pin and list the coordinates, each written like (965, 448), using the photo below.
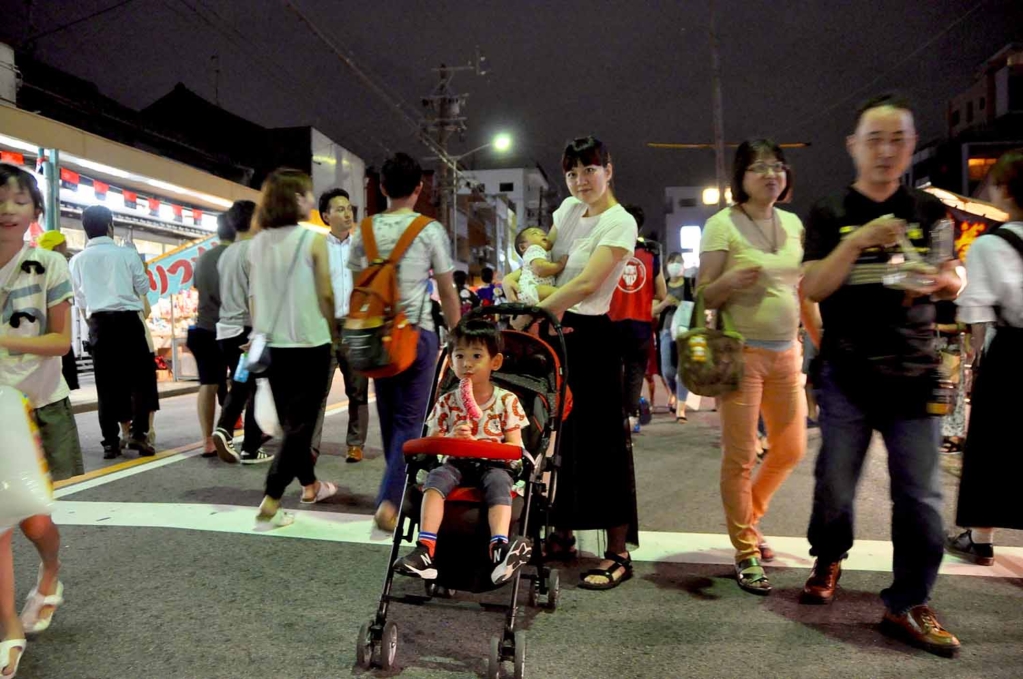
(699, 318)
(1017, 244)
(1009, 237)
(287, 281)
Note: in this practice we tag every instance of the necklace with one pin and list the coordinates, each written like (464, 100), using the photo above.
(771, 242)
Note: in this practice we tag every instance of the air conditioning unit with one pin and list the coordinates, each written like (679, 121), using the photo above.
(9, 76)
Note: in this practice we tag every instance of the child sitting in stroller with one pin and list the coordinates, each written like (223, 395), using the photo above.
(498, 418)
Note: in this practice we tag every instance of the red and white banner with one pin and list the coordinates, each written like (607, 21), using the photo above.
(174, 271)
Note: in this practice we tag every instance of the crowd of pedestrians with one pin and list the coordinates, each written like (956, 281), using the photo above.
(275, 304)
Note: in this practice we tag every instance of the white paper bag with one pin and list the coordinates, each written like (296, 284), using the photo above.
(266, 409)
(25, 488)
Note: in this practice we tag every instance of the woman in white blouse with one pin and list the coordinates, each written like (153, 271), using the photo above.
(597, 481)
(291, 299)
(993, 303)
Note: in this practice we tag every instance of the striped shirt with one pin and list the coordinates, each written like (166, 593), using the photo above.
(26, 297)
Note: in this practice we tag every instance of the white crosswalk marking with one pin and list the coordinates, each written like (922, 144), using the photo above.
(663, 547)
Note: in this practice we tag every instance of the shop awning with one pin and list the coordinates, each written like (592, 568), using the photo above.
(972, 217)
(124, 165)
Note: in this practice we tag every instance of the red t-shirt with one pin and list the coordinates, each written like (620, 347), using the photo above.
(633, 299)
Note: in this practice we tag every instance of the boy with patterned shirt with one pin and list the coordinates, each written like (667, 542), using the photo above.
(35, 303)
(476, 355)
(35, 332)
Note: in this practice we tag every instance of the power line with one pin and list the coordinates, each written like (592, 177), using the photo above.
(81, 20)
(272, 68)
(244, 45)
(394, 103)
(859, 92)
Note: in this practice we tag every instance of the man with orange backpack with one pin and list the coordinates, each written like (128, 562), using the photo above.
(389, 333)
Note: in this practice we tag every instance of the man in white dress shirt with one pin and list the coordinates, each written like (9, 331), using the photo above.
(337, 211)
(110, 287)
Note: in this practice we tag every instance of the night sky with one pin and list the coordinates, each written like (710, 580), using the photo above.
(628, 72)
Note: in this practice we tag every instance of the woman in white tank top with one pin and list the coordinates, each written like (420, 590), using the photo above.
(291, 300)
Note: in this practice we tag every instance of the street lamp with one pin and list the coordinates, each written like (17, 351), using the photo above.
(712, 196)
(502, 142)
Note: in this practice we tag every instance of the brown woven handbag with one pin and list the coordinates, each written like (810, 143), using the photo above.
(710, 359)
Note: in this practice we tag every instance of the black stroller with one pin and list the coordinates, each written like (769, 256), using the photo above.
(535, 372)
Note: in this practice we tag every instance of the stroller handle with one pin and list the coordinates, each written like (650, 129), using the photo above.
(516, 309)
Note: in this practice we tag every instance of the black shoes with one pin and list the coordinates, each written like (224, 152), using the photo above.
(963, 546)
(111, 452)
(417, 564)
(509, 558)
(258, 457)
(223, 442)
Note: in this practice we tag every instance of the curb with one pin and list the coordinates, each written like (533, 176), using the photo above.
(92, 406)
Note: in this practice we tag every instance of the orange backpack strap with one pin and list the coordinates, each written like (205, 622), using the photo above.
(405, 242)
(369, 241)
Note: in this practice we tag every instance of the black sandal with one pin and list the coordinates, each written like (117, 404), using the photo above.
(751, 577)
(621, 563)
(559, 548)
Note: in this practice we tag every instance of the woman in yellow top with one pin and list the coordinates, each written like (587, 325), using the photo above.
(750, 268)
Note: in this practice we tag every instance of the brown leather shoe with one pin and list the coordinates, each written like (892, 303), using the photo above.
(354, 454)
(920, 627)
(821, 585)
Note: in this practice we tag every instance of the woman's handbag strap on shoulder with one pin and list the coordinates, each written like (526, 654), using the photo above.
(259, 348)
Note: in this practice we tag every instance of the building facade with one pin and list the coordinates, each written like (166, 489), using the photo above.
(984, 121)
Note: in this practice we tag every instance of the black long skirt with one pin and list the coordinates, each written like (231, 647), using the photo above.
(597, 481)
(988, 487)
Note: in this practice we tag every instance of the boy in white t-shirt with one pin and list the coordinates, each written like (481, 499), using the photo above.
(476, 355)
(536, 282)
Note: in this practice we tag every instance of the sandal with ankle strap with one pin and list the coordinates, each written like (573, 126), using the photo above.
(751, 577)
(6, 647)
(621, 563)
(558, 548)
(31, 618)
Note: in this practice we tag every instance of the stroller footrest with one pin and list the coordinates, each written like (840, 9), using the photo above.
(467, 448)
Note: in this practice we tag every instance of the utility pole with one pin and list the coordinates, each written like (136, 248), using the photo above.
(216, 78)
(719, 116)
(443, 119)
(443, 109)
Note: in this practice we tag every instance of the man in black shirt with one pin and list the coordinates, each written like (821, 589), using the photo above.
(879, 368)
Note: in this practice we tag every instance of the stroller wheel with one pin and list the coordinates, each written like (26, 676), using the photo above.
(494, 661)
(431, 588)
(364, 647)
(553, 590)
(388, 646)
(520, 654)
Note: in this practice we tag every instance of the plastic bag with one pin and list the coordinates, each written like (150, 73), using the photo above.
(266, 409)
(25, 486)
(680, 321)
